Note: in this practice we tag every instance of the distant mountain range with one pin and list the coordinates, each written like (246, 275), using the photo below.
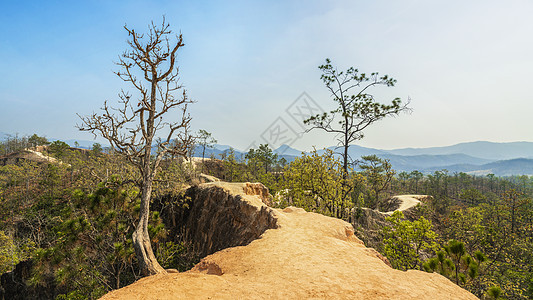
(486, 150)
(517, 166)
(477, 158)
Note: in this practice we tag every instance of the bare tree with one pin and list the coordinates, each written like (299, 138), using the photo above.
(356, 110)
(137, 128)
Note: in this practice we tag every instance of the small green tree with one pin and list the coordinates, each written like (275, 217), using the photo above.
(97, 149)
(266, 156)
(36, 140)
(404, 241)
(494, 292)
(472, 196)
(356, 108)
(58, 148)
(206, 141)
(403, 177)
(456, 250)
(316, 183)
(231, 166)
(439, 263)
(378, 173)
(261, 158)
(514, 200)
(464, 265)
(252, 162)
(416, 176)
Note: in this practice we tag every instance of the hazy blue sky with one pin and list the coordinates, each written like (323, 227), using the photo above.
(467, 65)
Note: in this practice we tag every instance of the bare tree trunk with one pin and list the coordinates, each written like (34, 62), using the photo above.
(141, 240)
(345, 161)
(117, 282)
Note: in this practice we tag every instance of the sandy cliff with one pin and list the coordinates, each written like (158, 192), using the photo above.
(287, 254)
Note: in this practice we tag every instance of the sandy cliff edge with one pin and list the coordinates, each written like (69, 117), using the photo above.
(307, 256)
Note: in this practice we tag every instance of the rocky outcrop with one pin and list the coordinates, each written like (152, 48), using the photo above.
(38, 154)
(286, 254)
(218, 215)
(404, 203)
(26, 155)
(258, 189)
(368, 223)
(204, 178)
